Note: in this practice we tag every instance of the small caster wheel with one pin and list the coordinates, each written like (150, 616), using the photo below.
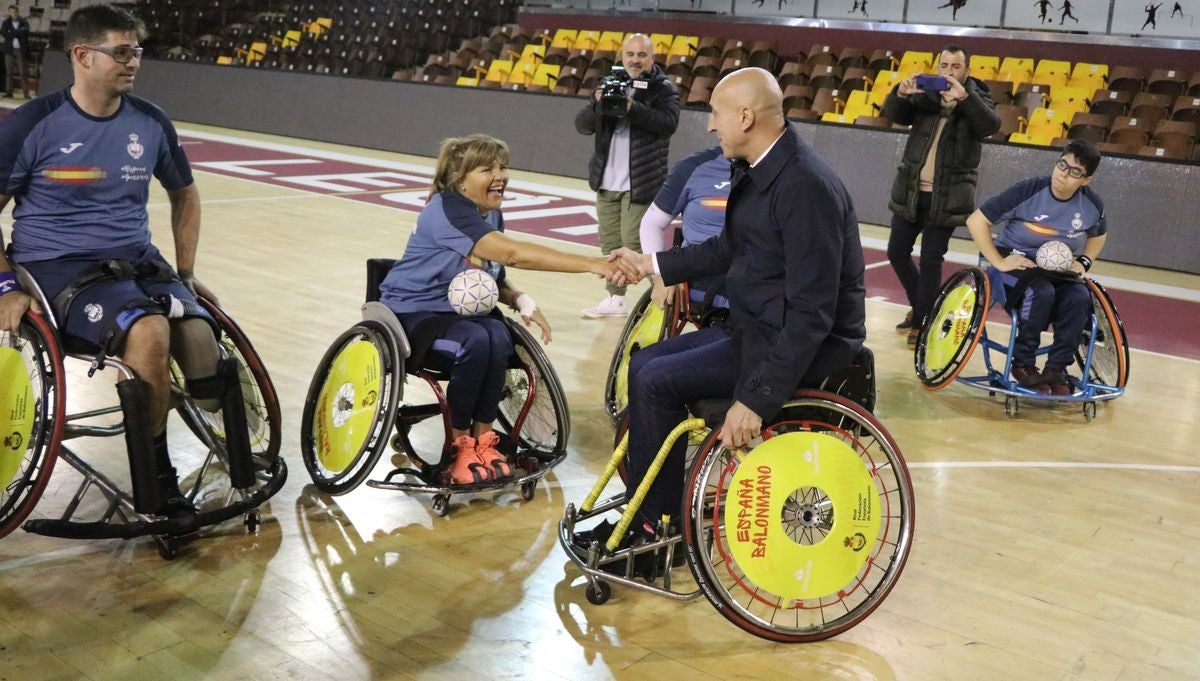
(1089, 411)
(598, 594)
(397, 444)
(441, 504)
(1010, 407)
(252, 522)
(528, 489)
(168, 548)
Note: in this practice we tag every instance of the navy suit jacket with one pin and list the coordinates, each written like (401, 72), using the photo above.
(794, 274)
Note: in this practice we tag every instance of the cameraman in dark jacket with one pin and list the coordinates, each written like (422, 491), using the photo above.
(934, 189)
(630, 161)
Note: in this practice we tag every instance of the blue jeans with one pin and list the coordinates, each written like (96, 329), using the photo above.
(664, 378)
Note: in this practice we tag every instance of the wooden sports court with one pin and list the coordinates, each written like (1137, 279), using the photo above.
(1046, 547)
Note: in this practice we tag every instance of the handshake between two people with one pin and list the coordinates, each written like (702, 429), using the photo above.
(626, 267)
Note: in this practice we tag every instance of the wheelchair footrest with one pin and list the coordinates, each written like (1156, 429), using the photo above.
(69, 529)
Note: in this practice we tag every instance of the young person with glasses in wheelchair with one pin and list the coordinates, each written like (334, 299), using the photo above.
(1055, 207)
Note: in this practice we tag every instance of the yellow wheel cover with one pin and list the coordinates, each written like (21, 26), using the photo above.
(754, 507)
(942, 347)
(346, 406)
(17, 412)
(645, 333)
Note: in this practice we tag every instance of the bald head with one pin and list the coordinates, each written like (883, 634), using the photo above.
(747, 112)
(637, 54)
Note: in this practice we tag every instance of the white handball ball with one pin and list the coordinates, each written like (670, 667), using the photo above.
(473, 292)
(1054, 256)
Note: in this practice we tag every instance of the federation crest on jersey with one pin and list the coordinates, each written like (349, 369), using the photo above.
(1077, 222)
(94, 312)
(134, 147)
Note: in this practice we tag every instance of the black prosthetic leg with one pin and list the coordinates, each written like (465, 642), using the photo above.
(226, 386)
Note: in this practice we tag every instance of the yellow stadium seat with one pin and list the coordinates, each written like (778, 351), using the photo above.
(684, 46)
(1051, 80)
(984, 67)
(257, 52)
(837, 118)
(521, 74)
(1066, 95)
(1088, 70)
(610, 41)
(885, 80)
(856, 98)
(289, 39)
(1024, 138)
(662, 44)
(319, 26)
(1052, 67)
(855, 109)
(586, 40)
(1015, 76)
(499, 70)
(1016, 64)
(917, 62)
(224, 60)
(1090, 77)
(564, 38)
(876, 97)
(464, 81)
(1048, 123)
(547, 74)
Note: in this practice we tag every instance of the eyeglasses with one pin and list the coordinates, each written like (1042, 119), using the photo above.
(1074, 171)
(122, 54)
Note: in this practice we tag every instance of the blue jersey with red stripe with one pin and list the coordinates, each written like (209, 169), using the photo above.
(439, 248)
(1028, 215)
(80, 182)
(697, 189)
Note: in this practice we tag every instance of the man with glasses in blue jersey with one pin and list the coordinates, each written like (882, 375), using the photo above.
(79, 163)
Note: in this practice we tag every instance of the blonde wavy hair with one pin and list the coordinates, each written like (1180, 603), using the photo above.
(459, 155)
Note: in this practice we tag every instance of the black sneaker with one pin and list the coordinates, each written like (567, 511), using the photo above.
(906, 324)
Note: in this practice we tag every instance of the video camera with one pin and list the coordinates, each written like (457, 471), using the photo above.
(613, 101)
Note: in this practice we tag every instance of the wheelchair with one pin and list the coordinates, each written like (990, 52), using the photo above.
(797, 539)
(241, 470)
(956, 327)
(354, 403)
(647, 324)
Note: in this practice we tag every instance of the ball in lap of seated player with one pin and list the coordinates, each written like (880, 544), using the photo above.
(462, 227)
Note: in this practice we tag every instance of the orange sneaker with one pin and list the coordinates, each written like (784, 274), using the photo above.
(486, 450)
(467, 468)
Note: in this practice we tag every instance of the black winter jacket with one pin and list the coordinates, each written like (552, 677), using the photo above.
(958, 153)
(652, 121)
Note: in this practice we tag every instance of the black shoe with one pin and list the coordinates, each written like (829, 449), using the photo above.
(176, 506)
(582, 541)
(906, 324)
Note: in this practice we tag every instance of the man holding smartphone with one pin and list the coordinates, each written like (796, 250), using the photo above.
(934, 190)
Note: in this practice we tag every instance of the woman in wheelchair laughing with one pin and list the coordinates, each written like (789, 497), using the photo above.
(460, 228)
(1058, 207)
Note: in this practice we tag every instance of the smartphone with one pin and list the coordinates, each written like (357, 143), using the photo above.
(930, 83)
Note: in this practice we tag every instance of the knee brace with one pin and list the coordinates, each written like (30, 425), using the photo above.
(139, 440)
(226, 387)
